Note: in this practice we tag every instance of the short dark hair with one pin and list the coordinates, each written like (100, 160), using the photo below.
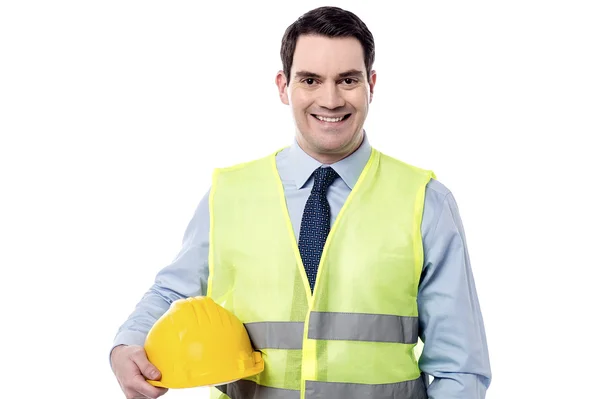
(330, 22)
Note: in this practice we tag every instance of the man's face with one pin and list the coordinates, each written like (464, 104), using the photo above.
(330, 93)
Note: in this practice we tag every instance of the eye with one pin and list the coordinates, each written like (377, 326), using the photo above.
(309, 81)
(349, 81)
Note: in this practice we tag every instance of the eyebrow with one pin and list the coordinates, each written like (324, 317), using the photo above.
(351, 72)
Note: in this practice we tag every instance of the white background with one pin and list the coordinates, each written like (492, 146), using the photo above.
(114, 113)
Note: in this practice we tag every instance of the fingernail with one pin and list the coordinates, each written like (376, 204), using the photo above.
(153, 374)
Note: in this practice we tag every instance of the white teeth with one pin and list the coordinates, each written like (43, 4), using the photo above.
(325, 119)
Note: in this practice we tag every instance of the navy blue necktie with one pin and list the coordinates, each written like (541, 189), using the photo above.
(315, 223)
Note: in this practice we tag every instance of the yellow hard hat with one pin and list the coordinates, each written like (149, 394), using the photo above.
(199, 343)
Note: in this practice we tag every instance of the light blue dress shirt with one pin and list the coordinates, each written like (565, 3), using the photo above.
(455, 350)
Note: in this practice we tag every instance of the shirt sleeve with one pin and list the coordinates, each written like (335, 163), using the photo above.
(451, 326)
(185, 276)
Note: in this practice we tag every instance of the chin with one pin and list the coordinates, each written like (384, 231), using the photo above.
(334, 143)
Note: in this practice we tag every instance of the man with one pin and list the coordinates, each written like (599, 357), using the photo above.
(367, 250)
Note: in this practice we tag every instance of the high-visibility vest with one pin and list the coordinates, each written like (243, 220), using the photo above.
(355, 336)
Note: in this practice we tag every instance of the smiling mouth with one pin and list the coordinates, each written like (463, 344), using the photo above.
(331, 120)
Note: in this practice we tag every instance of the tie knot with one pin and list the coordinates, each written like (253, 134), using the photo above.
(324, 177)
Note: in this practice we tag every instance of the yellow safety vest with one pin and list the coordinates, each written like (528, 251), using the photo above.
(355, 337)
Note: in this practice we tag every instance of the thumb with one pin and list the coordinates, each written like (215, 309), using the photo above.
(147, 369)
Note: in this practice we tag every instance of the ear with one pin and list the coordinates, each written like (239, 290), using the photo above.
(281, 83)
(372, 80)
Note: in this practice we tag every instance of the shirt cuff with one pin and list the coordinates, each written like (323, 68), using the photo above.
(127, 338)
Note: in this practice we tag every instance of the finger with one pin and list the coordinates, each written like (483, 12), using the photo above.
(146, 368)
(131, 394)
(140, 385)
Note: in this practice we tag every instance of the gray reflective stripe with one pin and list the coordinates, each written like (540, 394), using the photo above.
(413, 389)
(276, 335)
(244, 389)
(363, 327)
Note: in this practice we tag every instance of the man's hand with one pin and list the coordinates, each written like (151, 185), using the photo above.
(132, 368)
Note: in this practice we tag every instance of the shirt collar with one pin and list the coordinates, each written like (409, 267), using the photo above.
(349, 168)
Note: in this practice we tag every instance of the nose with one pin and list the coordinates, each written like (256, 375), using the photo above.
(330, 97)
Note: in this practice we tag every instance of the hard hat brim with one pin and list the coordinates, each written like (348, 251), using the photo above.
(209, 382)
